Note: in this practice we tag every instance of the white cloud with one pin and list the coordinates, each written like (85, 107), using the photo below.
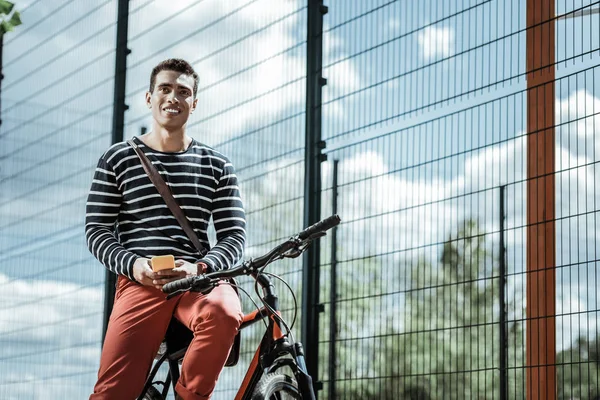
(577, 154)
(382, 213)
(575, 319)
(397, 202)
(487, 170)
(49, 323)
(28, 298)
(342, 78)
(267, 10)
(578, 121)
(436, 42)
(394, 25)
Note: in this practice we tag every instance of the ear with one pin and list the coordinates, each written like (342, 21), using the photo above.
(194, 104)
(148, 97)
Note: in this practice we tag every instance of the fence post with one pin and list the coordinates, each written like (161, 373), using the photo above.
(541, 202)
(119, 108)
(502, 300)
(333, 290)
(312, 185)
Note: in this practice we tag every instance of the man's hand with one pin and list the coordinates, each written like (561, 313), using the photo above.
(190, 269)
(143, 273)
(182, 269)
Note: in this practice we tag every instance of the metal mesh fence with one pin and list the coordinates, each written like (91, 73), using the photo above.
(462, 145)
(429, 123)
(56, 118)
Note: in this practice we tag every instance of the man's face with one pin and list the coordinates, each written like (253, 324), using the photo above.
(172, 100)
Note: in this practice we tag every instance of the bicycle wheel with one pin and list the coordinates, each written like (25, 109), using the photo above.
(276, 386)
(153, 394)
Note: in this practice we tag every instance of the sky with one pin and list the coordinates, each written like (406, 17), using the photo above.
(409, 172)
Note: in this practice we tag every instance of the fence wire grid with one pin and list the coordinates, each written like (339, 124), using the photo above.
(462, 143)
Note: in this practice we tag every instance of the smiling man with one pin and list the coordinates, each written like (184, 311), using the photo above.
(128, 222)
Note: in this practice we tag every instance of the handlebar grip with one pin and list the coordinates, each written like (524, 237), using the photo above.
(320, 226)
(180, 284)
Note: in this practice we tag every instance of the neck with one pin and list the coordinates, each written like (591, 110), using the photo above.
(162, 139)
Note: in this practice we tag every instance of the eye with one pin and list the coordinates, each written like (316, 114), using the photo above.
(185, 92)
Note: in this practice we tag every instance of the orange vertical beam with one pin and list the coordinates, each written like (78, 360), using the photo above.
(541, 230)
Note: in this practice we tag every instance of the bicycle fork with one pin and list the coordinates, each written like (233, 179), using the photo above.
(304, 380)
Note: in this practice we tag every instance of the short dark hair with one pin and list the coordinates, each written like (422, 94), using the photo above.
(177, 65)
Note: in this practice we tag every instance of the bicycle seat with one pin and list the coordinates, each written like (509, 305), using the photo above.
(179, 337)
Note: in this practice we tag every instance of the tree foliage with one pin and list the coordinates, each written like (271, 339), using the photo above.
(9, 17)
(449, 345)
(578, 370)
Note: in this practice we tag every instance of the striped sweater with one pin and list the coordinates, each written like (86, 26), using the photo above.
(126, 218)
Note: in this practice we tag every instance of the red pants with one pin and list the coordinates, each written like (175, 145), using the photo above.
(138, 324)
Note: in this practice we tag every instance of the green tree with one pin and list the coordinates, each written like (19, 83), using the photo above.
(360, 332)
(578, 370)
(9, 17)
(448, 347)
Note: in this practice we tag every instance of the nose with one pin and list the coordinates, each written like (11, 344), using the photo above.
(173, 97)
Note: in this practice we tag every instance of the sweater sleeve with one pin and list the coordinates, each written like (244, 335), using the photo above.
(230, 222)
(102, 211)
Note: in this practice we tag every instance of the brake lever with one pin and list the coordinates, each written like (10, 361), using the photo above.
(293, 253)
(206, 285)
(302, 245)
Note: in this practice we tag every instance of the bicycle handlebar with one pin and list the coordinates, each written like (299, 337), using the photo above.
(321, 226)
(252, 264)
(180, 284)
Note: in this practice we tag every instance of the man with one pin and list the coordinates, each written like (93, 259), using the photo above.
(204, 184)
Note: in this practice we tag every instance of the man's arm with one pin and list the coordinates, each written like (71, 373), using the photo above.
(102, 210)
(230, 222)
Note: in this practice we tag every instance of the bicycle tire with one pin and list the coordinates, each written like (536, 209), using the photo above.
(153, 394)
(276, 386)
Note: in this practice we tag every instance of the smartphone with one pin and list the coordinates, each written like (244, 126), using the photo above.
(162, 262)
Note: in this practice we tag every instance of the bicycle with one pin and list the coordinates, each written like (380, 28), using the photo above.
(267, 376)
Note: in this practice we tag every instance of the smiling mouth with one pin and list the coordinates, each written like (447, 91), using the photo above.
(172, 111)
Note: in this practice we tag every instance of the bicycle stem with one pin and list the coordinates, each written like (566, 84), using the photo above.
(268, 290)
